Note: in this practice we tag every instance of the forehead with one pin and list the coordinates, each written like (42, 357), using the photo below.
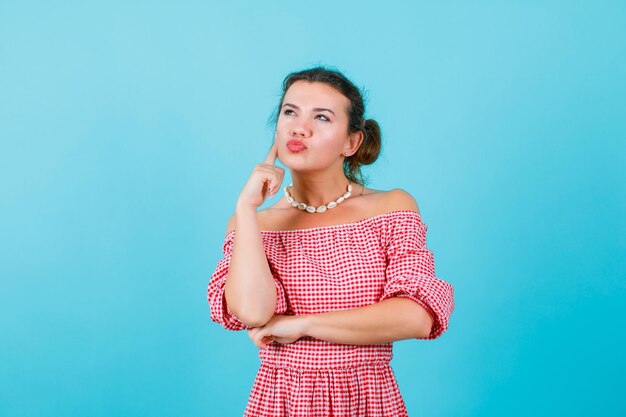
(316, 94)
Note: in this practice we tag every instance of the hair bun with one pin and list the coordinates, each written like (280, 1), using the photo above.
(370, 148)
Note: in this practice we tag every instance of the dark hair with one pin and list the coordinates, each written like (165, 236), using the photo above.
(370, 147)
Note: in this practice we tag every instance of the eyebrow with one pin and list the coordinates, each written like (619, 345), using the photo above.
(314, 109)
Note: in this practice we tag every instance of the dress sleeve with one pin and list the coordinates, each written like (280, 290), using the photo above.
(220, 313)
(410, 272)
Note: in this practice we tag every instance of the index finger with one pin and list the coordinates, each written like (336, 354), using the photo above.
(271, 156)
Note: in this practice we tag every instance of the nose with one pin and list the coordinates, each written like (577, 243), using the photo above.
(300, 128)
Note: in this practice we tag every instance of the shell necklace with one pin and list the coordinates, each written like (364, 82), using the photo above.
(319, 209)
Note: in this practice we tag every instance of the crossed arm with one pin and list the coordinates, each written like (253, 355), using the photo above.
(392, 319)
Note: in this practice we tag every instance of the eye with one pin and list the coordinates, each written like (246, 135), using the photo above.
(326, 119)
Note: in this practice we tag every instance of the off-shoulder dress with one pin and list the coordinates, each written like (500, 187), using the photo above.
(330, 268)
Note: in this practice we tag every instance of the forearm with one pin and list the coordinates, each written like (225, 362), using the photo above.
(250, 290)
(387, 321)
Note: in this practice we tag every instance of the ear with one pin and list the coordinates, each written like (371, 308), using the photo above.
(352, 144)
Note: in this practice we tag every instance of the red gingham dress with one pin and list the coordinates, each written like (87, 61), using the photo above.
(329, 268)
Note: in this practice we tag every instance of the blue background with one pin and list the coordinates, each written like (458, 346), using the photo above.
(129, 128)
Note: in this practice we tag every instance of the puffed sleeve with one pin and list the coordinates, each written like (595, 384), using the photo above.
(410, 271)
(220, 313)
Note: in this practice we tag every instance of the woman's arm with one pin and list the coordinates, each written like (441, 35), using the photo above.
(250, 289)
(387, 321)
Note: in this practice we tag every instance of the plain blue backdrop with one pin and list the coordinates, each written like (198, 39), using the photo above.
(128, 129)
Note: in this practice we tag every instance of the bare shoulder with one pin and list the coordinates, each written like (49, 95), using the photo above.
(399, 199)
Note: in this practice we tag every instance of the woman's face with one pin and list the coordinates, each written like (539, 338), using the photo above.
(315, 115)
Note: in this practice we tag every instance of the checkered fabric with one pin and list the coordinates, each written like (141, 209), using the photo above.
(330, 268)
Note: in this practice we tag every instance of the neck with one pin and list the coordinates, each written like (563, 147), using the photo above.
(319, 191)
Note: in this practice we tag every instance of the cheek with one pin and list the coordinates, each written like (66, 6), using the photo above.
(327, 151)
(282, 126)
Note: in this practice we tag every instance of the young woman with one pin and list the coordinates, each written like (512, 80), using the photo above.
(330, 275)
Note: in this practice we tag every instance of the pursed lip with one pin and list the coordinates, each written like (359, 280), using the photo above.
(296, 144)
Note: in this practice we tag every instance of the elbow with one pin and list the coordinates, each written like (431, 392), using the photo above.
(252, 309)
(253, 318)
(425, 328)
(423, 324)
(251, 315)
(416, 319)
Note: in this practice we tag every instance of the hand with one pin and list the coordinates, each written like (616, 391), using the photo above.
(264, 181)
(281, 329)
